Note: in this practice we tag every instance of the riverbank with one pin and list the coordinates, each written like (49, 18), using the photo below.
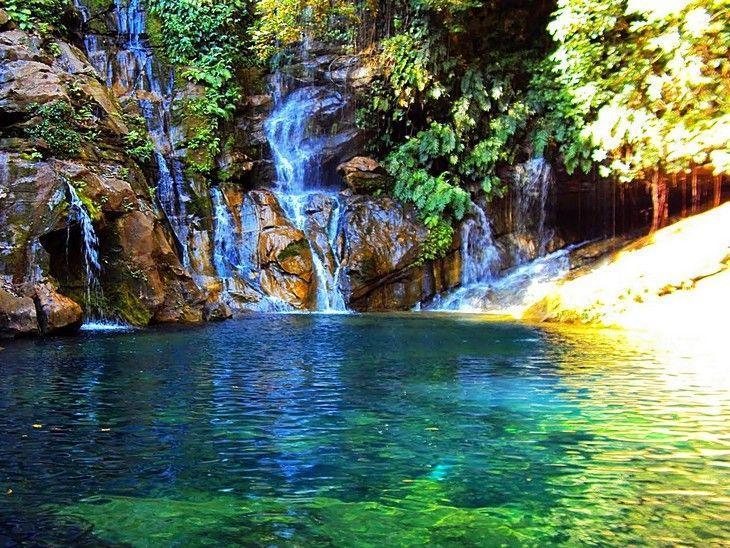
(678, 277)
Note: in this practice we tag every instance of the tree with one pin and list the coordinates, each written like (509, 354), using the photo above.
(644, 88)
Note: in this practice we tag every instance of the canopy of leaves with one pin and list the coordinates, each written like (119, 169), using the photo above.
(642, 85)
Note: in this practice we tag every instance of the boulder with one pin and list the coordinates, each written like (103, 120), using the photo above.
(382, 241)
(57, 314)
(18, 315)
(217, 311)
(363, 175)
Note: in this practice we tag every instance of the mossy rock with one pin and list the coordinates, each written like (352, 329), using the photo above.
(294, 249)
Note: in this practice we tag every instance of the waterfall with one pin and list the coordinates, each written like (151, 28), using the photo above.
(297, 155)
(531, 190)
(134, 68)
(479, 255)
(226, 258)
(483, 287)
(78, 215)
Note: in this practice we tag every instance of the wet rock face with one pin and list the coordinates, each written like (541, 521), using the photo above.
(141, 273)
(382, 241)
(17, 314)
(363, 175)
(283, 253)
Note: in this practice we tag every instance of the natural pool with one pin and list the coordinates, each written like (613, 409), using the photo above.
(364, 430)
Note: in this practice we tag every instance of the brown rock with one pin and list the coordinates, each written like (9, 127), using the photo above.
(17, 315)
(363, 175)
(27, 83)
(287, 247)
(217, 311)
(290, 289)
(382, 244)
(269, 211)
(156, 288)
(57, 314)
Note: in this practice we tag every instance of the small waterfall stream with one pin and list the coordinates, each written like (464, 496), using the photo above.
(78, 215)
(128, 63)
(483, 289)
(297, 160)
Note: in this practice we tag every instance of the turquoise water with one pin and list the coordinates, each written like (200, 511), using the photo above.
(364, 431)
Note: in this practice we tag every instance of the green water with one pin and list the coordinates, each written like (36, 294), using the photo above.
(364, 431)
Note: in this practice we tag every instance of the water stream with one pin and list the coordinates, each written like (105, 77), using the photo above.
(297, 155)
(79, 216)
(127, 63)
(485, 285)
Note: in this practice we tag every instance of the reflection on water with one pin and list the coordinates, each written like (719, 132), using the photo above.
(366, 430)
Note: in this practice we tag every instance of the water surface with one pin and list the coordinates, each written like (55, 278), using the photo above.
(364, 430)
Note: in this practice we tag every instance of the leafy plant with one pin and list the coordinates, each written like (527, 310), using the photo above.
(138, 145)
(37, 15)
(641, 87)
(58, 126)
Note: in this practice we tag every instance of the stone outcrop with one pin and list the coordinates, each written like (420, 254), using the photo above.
(18, 315)
(284, 257)
(141, 274)
(382, 243)
(57, 314)
(363, 175)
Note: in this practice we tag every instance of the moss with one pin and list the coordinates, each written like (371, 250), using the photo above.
(129, 307)
(294, 249)
(200, 206)
(154, 34)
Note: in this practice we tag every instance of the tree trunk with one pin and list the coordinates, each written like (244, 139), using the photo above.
(684, 195)
(695, 192)
(717, 191)
(660, 203)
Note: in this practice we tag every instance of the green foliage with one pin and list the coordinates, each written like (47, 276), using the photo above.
(58, 126)
(210, 41)
(92, 208)
(447, 117)
(641, 86)
(37, 15)
(283, 23)
(137, 142)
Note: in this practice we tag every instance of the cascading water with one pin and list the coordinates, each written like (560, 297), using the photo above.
(78, 215)
(129, 65)
(479, 255)
(483, 289)
(297, 158)
(531, 186)
(235, 255)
